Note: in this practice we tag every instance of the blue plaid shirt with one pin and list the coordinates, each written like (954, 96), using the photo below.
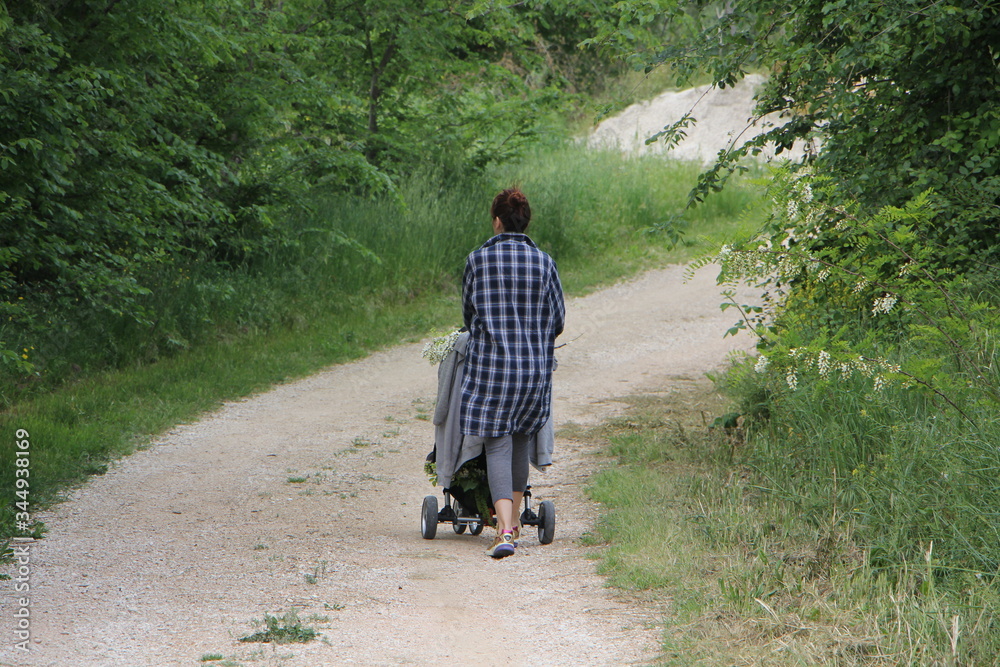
(512, 302)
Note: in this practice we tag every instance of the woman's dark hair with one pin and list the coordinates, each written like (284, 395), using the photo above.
(511, 206)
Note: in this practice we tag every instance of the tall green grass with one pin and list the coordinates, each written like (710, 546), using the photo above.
(356, 253)
(756, 565)
(360, 273)
(905, 471)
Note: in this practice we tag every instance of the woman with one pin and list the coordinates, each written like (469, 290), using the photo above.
(513, 307)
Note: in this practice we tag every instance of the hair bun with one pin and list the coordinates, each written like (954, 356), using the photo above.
(518, 204)
(511, 206)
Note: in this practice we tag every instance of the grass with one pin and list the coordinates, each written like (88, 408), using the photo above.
(368, 274)
(905, 471)
(318, 571)
(287, 629)
(745, 575)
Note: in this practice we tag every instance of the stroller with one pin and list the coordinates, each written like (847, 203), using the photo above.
(464, 508)
(458, 463)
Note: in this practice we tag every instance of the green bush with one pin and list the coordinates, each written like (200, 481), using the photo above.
(877, 381)
(146, 143)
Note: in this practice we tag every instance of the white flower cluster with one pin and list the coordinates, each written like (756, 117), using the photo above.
(884, 304)
(792, 379)
(802, 359)
(800, 198)
(823, 363)
(793, 209)
(860, 286)
(761, 365)
(807, 193)
(873, 368)
(788, 265)
(437, 349)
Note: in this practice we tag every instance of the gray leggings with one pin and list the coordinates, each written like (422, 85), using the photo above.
(507, 465)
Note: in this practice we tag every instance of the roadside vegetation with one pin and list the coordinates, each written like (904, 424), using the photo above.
(747, 571)
(858, 501)
(286, 629)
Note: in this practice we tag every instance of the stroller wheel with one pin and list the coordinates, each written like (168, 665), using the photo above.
(477, 528)
(459, 528)
(429, 518)
(546, 521)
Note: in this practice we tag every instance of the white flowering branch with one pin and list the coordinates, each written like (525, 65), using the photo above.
(785, 264)
(882, 259)
(437, 349)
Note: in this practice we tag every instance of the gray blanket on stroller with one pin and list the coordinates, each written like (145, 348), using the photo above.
(451, 447)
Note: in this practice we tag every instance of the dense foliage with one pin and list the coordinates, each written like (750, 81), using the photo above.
(873, 406)
(147, 144)
(902, 96)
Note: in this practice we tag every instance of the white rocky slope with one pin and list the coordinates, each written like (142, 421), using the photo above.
(724, 118)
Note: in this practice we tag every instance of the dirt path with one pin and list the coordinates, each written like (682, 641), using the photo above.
(177, 550)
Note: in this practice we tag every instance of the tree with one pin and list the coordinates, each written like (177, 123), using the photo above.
(140, 137)
(902, 94)
(445, 78)
(877, 369)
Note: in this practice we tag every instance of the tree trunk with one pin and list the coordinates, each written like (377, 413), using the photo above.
(375, 90)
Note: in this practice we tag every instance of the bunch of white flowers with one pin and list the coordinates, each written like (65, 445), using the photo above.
(871, 368)
(437, 349)
(803, 359)
(823, 363)
(807, 193)
(792, 209)
(761, 364)
(792, 379)
(884, 304)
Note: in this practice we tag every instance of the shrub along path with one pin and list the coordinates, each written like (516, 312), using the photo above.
(307, 498)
